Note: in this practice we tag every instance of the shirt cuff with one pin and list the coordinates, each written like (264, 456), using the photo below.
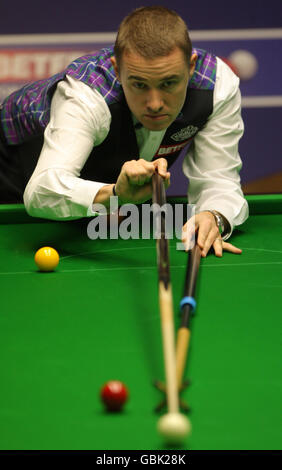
(228, 212)
(83, 197)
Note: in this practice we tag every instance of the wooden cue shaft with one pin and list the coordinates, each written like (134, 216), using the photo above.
(184, 333)
(165, 300)
(167, 325)
(182, 347)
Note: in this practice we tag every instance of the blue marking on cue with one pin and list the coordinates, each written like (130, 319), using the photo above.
(188, 300)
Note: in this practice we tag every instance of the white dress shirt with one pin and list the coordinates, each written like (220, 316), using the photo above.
(80, 119)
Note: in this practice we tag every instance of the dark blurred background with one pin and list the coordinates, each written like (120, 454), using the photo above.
(37, 40)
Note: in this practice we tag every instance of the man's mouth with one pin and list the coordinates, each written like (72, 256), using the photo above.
(156, 117)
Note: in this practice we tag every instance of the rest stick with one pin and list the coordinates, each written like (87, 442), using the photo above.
(188, 305)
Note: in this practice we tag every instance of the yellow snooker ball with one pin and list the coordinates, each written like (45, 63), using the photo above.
(46, 258)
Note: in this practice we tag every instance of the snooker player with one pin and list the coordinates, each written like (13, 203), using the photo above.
(111, 119)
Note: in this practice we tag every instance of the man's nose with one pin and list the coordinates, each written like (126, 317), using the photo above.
(154, 101)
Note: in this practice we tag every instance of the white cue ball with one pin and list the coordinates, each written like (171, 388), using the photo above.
(245, 63)
(174, 427)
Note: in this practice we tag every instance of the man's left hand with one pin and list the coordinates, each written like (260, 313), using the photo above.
(204, 225)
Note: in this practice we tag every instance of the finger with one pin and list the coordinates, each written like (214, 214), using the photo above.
(205, 229)
(139, 179)
(208, 232)
(167, 180)
(212, 235)
(231, 248)
(217, 246)
(189, 233)
(189, 241)
(161, 166)
(140, 172)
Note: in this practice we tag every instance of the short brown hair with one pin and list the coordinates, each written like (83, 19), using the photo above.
(152, 32)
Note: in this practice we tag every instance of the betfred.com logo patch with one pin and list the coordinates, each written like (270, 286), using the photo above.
(185, 133)
(169, 149)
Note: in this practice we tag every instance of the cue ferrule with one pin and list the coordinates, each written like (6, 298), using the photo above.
(190, 301)
(187, 307)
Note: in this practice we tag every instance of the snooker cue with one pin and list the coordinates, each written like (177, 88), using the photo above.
(187, 305)
(165, 296)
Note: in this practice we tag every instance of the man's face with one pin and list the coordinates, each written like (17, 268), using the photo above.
(155, 89)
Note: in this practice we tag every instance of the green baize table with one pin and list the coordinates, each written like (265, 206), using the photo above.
(96, 318)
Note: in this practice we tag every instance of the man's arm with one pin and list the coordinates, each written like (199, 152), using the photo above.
(134, 183)
(213, 165)
(79, 120)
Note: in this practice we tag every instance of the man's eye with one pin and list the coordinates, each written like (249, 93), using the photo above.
(168, 84)
(139, 85)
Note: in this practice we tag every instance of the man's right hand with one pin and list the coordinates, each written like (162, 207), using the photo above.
(134, 184)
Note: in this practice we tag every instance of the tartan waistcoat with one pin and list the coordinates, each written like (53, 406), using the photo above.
(26, 113)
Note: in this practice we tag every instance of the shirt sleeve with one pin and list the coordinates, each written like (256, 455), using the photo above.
(79, 120)
(213, 163)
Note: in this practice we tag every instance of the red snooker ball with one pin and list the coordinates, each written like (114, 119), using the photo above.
(114, 394)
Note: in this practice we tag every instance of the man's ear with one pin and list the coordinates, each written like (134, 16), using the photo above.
(114, 64)
(193, 62)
